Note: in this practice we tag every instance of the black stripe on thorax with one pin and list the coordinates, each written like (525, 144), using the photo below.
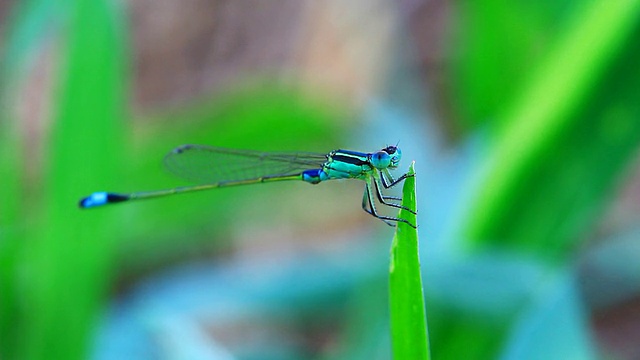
(351, 157)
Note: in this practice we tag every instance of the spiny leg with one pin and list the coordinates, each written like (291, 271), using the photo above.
(376, 179)
(366, 199)
(386, 176)
(388, 181)
(389, 197)
(386, 219)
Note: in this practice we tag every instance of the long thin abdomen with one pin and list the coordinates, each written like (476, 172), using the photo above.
(103, 198)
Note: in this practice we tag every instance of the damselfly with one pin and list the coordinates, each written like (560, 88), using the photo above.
(213, 167)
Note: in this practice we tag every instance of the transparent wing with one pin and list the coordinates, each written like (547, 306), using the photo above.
(207, 164)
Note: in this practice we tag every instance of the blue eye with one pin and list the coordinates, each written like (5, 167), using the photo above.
(381, 160)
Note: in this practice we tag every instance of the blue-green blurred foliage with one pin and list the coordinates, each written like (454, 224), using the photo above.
(553, 85)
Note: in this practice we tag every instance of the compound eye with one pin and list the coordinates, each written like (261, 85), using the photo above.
(381, 159)
(395, 158)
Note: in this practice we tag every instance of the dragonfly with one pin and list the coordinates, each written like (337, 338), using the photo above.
(214, 167)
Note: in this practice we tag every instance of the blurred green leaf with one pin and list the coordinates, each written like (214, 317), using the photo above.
(495, 49)
(406, 299)
(566, 140)
(11, 192)
(25, 28)
(564, 128)
(451, 327)
(69, 252)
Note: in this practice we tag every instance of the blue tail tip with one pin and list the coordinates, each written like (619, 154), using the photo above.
(101, 198)
(95, 199)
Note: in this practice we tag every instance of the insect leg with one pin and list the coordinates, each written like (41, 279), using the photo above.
(387, 219)
(376, 179)
(386, 176)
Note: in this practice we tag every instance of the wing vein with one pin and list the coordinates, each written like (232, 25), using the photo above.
(208, 164)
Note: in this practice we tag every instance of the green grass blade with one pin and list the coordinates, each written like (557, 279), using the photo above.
(10, 192)
(408, 319)
(554, 155)
(69, 251)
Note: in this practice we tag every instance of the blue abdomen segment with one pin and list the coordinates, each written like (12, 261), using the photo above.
(314, 176)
